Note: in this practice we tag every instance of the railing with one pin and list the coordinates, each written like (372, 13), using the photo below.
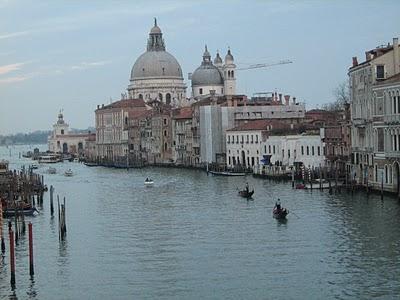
(395, 154)
(391, 118)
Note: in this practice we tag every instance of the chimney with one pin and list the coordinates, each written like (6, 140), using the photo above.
(294, 100)
(280, 98)
(396, 55)
(98, 106)
(368, 56)
(355, 62)
(287, 97)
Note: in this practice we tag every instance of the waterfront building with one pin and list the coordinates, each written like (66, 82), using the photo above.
(380, 63)
(386, 129)
(218, 78)
(62, 140)
(112, 129)
(156, 74)
(336, 137)
(183, 136)
(275, 142)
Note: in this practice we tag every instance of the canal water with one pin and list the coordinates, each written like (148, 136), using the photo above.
(191, 237)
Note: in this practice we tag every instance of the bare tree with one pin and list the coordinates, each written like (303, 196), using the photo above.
(342, 96)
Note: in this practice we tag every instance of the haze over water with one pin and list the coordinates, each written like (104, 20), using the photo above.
(191, 237)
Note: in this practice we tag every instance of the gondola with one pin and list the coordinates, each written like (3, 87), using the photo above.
(280, 214)
(246, 194)
(148, 182)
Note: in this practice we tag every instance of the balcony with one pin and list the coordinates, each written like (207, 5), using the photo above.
(391, 119)
(392, 154)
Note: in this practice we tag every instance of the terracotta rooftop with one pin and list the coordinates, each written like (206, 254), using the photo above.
(183, 113)
(125, 103)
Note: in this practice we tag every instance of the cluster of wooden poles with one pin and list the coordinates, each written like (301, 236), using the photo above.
(19, 231)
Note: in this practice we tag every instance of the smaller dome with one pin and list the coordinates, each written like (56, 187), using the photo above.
(229, 56)
(155, 30)
(217, 59)
(207, 75)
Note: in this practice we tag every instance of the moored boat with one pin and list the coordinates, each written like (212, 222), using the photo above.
(10, 212)
(90, 164)
(227, 173)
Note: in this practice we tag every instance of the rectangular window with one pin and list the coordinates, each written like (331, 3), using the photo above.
(380, 72)
(288, 153)
(252, 161)
(252, 139)
(398, 104)
(247, 139)
(319, 150)
(308, 150)
(242, 139)
(302, 150)
(256, 139)
(229, 140)
(273, 149)
(265, 149)
(201, 91)
(269, 149)
(312, 150)
(229, 158)
(237, 139)
(380, 139)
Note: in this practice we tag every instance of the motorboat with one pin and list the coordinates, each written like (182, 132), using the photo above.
(148, 182)
(49, 159)
(34, 166)
(69, 173)
(227, 173)
(76, 159)
(52, 170)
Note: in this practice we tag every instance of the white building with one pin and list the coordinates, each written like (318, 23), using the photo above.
(156, 74)
(254, 141)
(62, 140)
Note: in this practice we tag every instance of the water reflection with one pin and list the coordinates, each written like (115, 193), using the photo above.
(192, 236)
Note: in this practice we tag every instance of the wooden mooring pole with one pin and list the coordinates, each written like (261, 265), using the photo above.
(51, 200)
(31, 269)
(12, 258)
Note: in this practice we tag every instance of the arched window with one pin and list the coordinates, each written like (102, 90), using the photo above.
(165, 146)
(160, 96)
(140, 96)
(62, 131)
(229, 74)
(168, 98)
(232, 74)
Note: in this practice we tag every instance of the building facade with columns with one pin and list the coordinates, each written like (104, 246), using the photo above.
(156, 74)
(380, 64)
(386, 137)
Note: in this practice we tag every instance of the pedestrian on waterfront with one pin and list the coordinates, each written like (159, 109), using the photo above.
(247, 187)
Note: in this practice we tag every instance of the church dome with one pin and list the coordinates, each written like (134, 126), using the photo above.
(207, 75)
(156, 64)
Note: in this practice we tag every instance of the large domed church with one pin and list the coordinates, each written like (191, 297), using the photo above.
(156, 74)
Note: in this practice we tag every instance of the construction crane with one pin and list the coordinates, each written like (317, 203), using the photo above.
(257, 66)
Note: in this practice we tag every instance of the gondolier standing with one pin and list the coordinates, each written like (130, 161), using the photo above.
(247, 187)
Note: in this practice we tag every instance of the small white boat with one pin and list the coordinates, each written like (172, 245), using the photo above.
(69, 173)
(34, 166)
(52, 170)
(148, 182)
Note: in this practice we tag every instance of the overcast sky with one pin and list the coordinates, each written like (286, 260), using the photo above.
(73, 55)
